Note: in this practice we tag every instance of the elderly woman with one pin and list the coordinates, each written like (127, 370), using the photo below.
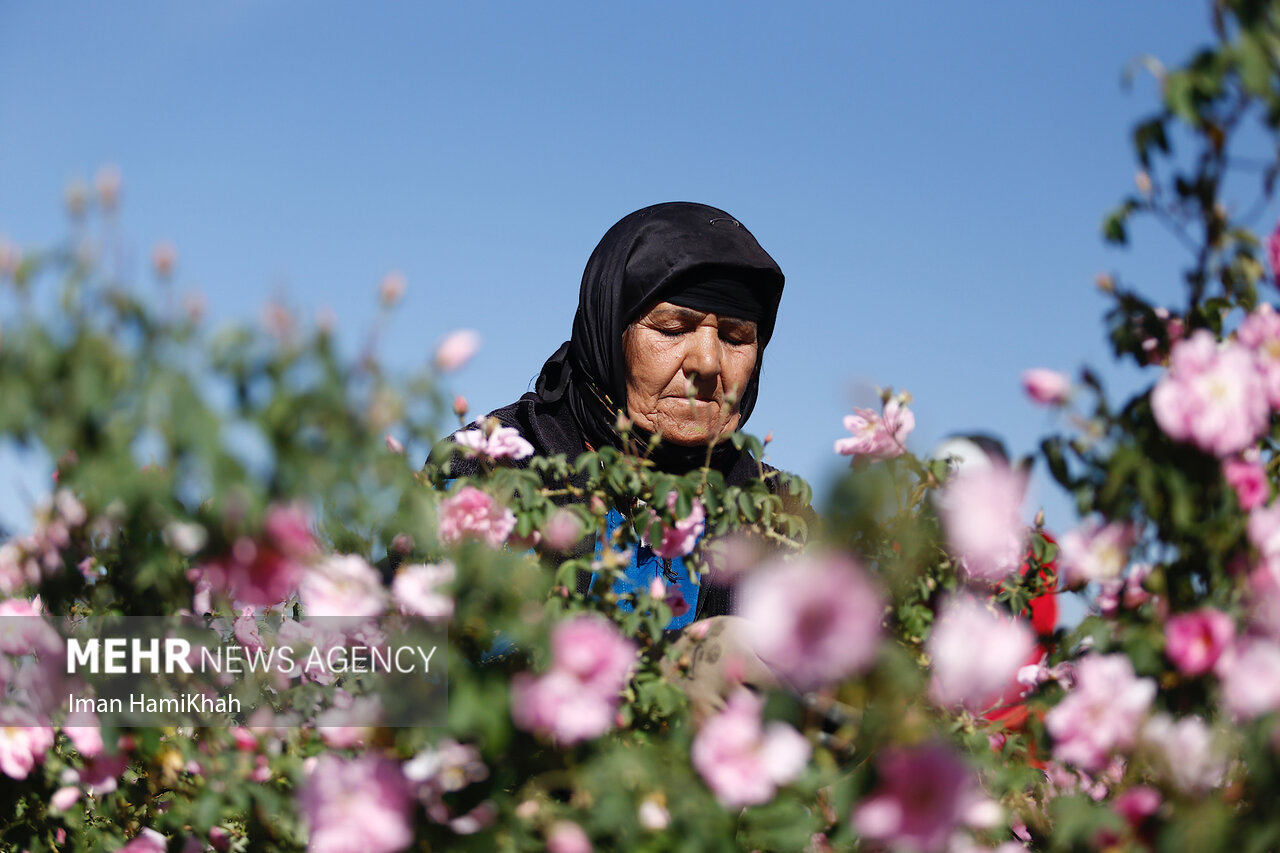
(677, 305)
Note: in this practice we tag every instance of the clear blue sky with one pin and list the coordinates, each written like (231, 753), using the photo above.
(930, 176)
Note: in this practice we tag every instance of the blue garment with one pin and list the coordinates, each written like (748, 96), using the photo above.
(644, 567)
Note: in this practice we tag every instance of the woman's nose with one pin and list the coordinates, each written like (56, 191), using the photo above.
(702, 357)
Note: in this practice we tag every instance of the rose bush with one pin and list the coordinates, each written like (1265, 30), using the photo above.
(257, 485)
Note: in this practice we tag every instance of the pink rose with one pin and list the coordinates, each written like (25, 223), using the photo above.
(577, 699)
(392, 288)
(1194, 641)
(1137, 804)
(496, 442)
(976, 654)
(1102, 714)
(1186, 752)
(64, 798)
(924, 794)
(343, 587)
(23, 741)
(245, 629)
(1250, 674)
(416, 591)
(555, 705)
(147, 841)
(356, 805)
(266, 571)
(456, 349)
(1264, 530)
(981, 512)
(567, 837)
(814, 620)
(1095, 552)
(1212, 397)
(1047, 387)
(562, 531)
(878, 435)
(679, 539)
(473, 514)
(1249, 480)
(1260, 333)
(742, 761)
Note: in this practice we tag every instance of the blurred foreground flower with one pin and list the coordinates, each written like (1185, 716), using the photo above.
(1194, 641)
(578, 697)
(742, 761)
(416, 591)
(925, 793)
(267, 570)
(356, 805)
(456, 349)
(392, 288)
(1048, 387)
(976, 654)
(815, 620)
(981, 511)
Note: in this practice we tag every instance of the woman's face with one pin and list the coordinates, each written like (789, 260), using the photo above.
(686, 370)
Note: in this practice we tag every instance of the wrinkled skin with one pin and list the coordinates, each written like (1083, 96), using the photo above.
(685, 370)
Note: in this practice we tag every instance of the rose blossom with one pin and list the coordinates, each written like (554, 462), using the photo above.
(356, 805)
(1102, 714)
(556, 706)
(1212, 397)
(456, 349)
(415, 590)
(472, 513)
(742, 761)
(1248, 479)
(265, 571)
(1263, 529)
(562, 530)
(392, 288)
(679, 539)
(85, 732)
(1137, 804)
(496, 442)
(565, 836)
(1095, 551)
(342, 586)
(23, 629)
(147, 841)
(1048, 387)
(245, 629)
(814, 620)
(1186, 751)
(23, 741)
(64, 798)
(924, 794)
(976, 654)
(1250, 674)
(1194, 641)
(878, 435)
(1260, 333)
(578, 697)
(980, 511)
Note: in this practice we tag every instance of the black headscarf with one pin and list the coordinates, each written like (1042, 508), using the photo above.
(644, 258)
